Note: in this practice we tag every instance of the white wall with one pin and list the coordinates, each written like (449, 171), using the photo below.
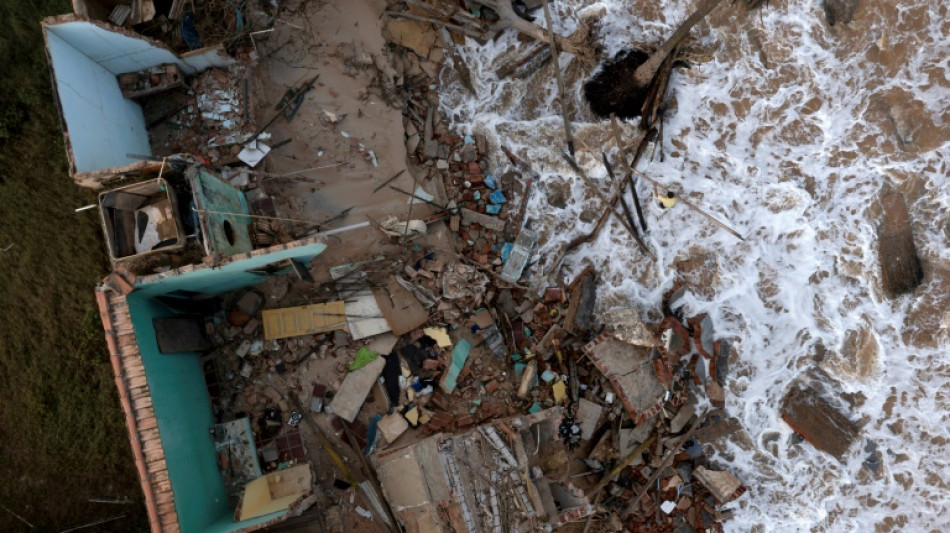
(102, 125)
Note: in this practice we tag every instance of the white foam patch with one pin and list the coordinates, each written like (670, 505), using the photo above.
(787, 156)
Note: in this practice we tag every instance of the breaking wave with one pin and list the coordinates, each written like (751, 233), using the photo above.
(788, 133)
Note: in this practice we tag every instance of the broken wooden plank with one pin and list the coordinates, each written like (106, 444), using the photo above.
(303, 320)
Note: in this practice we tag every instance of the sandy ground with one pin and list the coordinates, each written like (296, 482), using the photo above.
(345, 47)
(348, 114)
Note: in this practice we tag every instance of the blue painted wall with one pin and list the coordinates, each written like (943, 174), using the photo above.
(102, 125)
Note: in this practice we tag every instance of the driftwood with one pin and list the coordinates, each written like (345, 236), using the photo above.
(690, 205)
(526, 64)
(654, 103)
(647, 71)
(562, 92)
(507, 18)
(635, 82)
(623, 202)
(581, 239)
(615, 128)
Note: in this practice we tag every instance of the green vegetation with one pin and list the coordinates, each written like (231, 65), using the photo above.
(62, 434)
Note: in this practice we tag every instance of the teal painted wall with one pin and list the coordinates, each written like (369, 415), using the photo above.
(180, 397)
(221, 203)
(229, 277)
(183, 409)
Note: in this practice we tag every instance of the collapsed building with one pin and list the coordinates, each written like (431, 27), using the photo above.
(280, 341)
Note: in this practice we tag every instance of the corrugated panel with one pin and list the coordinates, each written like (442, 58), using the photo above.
(304, 320)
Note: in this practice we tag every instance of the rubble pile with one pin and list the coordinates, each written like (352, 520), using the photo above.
(444, 355)
(484, 352)
(211, 117)
(440, 342)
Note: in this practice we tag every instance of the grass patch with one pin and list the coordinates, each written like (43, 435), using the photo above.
(62, 432)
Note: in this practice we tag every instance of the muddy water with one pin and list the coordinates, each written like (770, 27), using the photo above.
(788, 129)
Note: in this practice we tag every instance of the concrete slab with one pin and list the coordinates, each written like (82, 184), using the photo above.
(629, 369)
(392, 426)
(723, 485)
(403, 481)
(588, 413)
(356, 386)
(816, 420)
(683, 416)
(630, 438)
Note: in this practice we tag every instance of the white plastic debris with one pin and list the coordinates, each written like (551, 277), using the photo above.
(253, 153)
(667, 507)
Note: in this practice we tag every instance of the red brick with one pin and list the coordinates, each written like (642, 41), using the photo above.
(492, 386)
(662, 371)
(439, 401)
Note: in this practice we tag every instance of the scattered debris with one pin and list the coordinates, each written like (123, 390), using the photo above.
(487, 393)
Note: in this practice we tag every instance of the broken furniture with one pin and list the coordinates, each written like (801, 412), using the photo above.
(275, 492)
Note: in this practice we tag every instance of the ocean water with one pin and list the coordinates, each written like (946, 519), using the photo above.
(788, 130)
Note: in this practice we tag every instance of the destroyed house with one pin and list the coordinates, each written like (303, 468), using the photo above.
(179, 234)
(104, 123)
(155, 341)
(474, 399)
(474, 481)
